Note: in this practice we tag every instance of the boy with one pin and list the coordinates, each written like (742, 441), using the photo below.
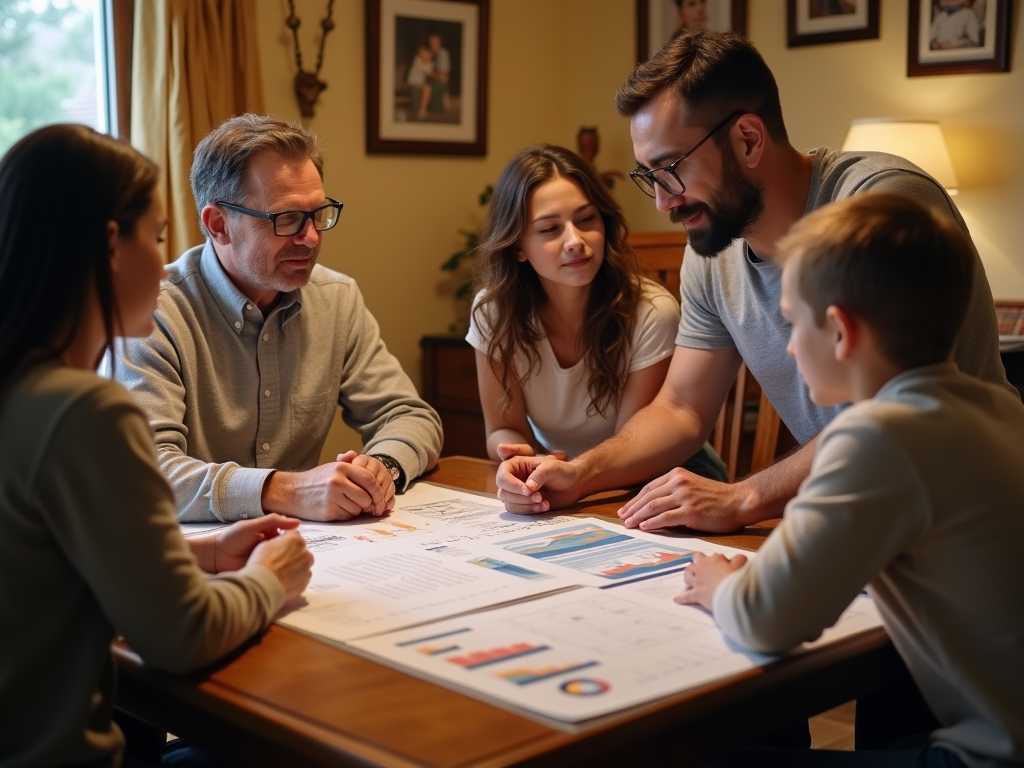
(916, 490)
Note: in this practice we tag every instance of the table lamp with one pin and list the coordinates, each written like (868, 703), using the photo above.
(919, 141)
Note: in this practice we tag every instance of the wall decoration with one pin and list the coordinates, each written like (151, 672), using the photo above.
(308, 85)
(810, 22)
(658, 20)
(426, 87)
(948, 37)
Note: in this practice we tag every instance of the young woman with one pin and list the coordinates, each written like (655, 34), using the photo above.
(571, 341)
(90, 541)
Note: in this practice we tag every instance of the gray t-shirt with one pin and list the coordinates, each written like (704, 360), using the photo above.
(732, 300)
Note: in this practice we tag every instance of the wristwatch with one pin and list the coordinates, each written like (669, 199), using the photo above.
(392, 466)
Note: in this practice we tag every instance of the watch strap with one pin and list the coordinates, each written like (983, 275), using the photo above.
(392, 466)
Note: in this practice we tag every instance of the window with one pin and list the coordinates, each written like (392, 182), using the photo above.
(53, 66)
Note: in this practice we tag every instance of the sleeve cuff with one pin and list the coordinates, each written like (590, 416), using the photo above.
(266, 583)
(242, 495)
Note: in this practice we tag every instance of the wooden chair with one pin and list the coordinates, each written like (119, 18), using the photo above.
(728, 437)
(661, 256)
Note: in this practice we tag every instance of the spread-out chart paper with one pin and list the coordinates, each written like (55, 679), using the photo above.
(595, 553)
(373, 574)
(580, 654)
(562, 616)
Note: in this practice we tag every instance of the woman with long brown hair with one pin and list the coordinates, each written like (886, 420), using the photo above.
(571, 341)
(91, 544)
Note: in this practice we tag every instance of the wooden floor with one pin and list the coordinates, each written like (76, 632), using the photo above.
(834, 729)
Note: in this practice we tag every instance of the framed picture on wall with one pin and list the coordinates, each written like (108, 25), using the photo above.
(658, 20)
(958, 36)
(426, 76)
(811, 22)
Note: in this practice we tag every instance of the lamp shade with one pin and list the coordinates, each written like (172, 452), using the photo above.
(919, 141)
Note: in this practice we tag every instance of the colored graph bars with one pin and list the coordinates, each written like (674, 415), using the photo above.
(479, 659)
(524, 676)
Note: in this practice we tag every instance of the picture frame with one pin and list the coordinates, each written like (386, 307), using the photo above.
(658, 20)
(414, 106)
(950, 43)
(813, 22)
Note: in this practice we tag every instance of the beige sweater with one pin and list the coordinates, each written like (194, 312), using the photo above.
(918, 493)
(89, 542)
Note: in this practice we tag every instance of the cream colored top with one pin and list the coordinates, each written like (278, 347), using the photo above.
(556, 398)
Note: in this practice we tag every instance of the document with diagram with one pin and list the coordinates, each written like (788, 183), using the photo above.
(565, 616)
(583, 653)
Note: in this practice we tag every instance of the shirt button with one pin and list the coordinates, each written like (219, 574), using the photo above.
(238, 324)
(266, 446)
(266, 393)
(266, 337)
(248, 306)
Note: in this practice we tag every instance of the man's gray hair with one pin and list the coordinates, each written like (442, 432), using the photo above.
(222, 158)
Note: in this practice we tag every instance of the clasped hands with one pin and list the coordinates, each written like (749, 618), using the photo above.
(340, 490)
(272, 541)
(529, 484)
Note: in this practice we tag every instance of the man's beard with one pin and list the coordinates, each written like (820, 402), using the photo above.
(732, 209)
(267, 278)
(290, 283)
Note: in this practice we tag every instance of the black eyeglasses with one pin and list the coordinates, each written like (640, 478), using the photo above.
(290, 223)
(666, 176)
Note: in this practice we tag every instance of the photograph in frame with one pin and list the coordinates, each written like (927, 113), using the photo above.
(658, 20)
(958, 36)
(813, 22)
(427, 76)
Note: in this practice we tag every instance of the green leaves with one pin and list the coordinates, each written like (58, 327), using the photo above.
(463, 260)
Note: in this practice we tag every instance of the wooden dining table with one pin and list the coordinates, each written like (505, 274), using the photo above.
(288, 699)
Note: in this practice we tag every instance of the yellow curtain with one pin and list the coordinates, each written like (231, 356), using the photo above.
(194, 64)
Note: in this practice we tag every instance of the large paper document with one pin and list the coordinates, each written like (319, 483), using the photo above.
(583, 653)
(564, 616)
(423, 561)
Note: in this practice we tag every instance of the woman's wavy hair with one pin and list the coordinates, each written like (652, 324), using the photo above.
(506, 313)
(59, 186)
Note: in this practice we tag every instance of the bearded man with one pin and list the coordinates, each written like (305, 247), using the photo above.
(712, 151)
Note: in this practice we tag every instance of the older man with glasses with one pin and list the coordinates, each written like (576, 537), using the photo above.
(256, 345)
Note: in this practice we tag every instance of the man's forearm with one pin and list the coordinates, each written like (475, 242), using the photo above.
(279, 492)
(657, 438)
(766, 493)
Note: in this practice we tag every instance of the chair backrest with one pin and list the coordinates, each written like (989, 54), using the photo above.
(661, 256)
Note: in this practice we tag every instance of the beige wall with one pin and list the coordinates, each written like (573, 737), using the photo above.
(551, 71)
(824, 87)
(555, 65)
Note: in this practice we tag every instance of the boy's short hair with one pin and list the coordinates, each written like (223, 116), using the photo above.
(896, 264)
(715, 73)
